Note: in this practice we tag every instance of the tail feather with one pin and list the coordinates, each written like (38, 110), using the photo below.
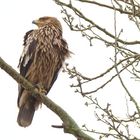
(26, 113)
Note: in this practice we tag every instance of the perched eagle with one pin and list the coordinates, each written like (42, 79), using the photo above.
(44, 52)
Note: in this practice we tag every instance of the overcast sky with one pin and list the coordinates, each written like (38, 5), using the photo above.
(16, 20)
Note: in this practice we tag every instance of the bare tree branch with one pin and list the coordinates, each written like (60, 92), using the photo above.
(110, 7)
(92, 23)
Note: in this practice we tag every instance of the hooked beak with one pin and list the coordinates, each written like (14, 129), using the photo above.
(35, 21)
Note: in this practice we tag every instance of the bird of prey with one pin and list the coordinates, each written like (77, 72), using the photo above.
(43, 55)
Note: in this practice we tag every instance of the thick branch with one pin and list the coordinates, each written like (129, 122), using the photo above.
(69, 124)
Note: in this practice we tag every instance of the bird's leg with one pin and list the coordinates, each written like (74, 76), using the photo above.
(40, 88)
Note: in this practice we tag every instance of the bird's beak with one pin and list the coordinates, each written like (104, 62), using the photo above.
(35, 22)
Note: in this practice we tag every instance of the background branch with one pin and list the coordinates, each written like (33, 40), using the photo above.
(126, 62)
(69, 20)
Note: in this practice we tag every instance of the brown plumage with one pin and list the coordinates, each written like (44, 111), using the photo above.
(44, 52)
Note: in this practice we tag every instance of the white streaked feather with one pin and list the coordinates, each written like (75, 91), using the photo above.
(24, 55)
(27, 58)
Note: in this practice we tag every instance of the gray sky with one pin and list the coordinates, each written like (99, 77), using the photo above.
(16, 20)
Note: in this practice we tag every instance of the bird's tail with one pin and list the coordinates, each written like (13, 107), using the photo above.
(26, 113)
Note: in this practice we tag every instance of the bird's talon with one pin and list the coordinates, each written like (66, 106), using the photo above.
(40, 89)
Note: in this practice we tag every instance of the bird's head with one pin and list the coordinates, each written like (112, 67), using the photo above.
(42, 21)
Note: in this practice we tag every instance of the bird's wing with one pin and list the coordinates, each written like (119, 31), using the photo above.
(54, 78)
(27, 54)
(64, 46)
(26, 58)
